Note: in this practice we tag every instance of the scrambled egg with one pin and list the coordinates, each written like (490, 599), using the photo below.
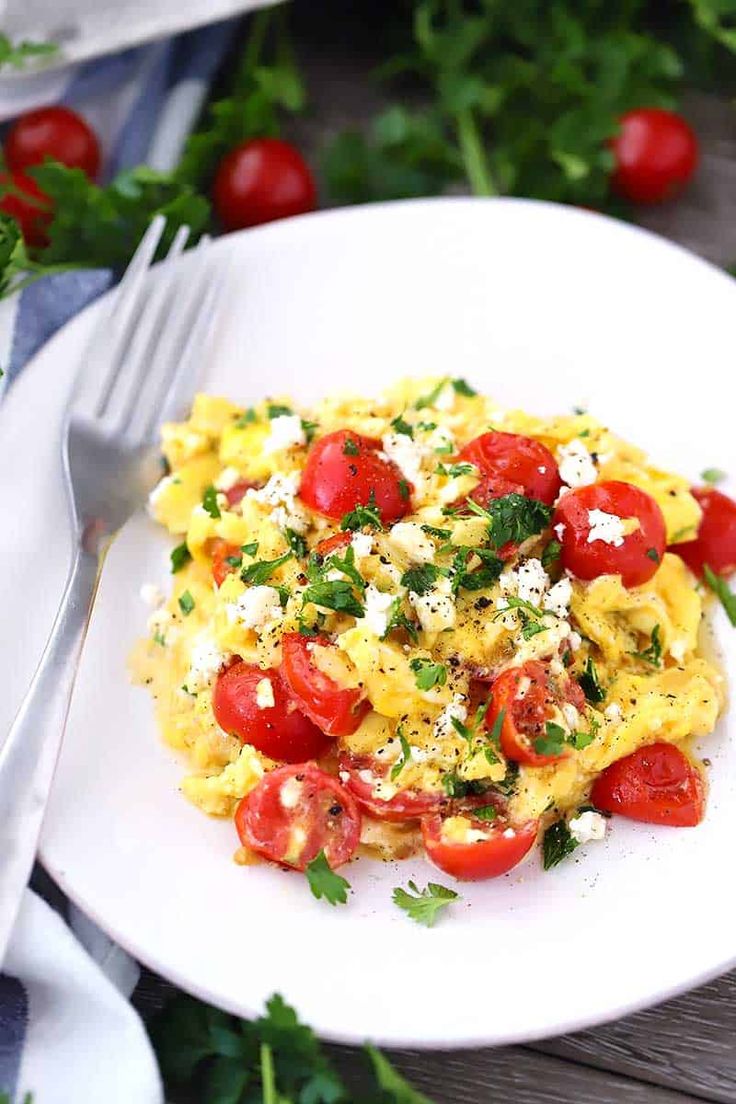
(670, 693)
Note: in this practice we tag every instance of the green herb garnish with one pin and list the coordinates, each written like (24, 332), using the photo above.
(363, 515)
(186, 603)
(713, 475)
(400, 425)
(209, 502)
(296, 543)
(336, 595)
(428, 674)
(424, 905)
(261, 571)
(722, 591)
(553, 741)
(350, 448)
(557, 844)
(405, 757)
(421, 579)
(324, 882)
(551, 553)
(462, 387)
(180, 557)
(590, 683)
(652, 654)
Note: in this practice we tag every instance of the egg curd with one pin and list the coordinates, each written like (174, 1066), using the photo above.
(498, 659)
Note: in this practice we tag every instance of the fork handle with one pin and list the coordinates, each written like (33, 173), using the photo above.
(28, 756)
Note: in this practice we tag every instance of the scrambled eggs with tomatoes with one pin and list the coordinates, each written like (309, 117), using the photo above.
(425, 620)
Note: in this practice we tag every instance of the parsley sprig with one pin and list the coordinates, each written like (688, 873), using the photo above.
(424, 905)
(427, 673)
(722, 591)
(512, 518)
(653, 653)
(324, 882)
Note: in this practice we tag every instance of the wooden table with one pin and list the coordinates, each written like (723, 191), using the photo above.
(681, 1051)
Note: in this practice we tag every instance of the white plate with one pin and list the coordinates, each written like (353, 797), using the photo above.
(544, 307)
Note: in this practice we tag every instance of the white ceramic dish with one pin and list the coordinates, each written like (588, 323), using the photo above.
(544, 307)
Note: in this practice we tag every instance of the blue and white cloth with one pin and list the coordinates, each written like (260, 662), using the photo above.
(67, 1031)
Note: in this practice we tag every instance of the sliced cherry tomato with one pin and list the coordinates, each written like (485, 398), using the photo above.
(715, 543)
(510, 462)
(656, 154)
(360, 773)
(333, 544)
(657, 784)
(529, 696)
(501, 848)
(220, 551)
(334, 481)
(635, 556)
(54, 132)
(33, 214)
(336, 710)
(262, 180)
(236, 493)
(280, 731)
(294, 813)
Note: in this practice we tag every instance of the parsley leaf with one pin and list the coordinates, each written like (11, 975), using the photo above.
(652, 654)
(713, 475)
(405, 757)
(180, 557)
(462, 387)
(186, 603)
(485, 813)
(590, 683)
(395, 1088)
(346, 566)
(350, 448)
(454, 470)
(278, 410)
(209, 502)
(484, 576)
(557, 844)
(397, 619)
(335, 595)
(324, 882)
(553, 740)
(424, 905)
(402, 426)
(261, 571)
(421, 579)
(249, 549)
(551, 553)
(17, 54)
(431, 398)
(722, 591)
(441, 534)
(248, 417)
(296, 543)
(428, 674)
(513, 518)
(362, 516)
(652, 554)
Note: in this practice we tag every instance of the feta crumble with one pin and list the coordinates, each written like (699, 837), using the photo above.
(377, 606)
(227, 479)
(280, 492)
(286, 432)
(576, 464)
(264, 694)
(410, 540)
(613, 712)
(587, 826)
(456, 710)
(557, 599)
(257, 606)
(608, 528)
(362, 544)
(205, 661)
(436, 608)
(152, 595)
(290, 793)
(408, 457)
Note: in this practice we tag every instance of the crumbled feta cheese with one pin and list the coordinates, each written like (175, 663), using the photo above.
(509, 833)
(532, 581)
(377, 606)
(407, 454)
(678, 650)
(161, 624)
(570, 713)
(205, 661)
(227, 479)
(575, 640)
(613, 712)
(436, 608)
(557, 599)
(264, 694)
(286, 432)
(152, 595)
(410, 540)
(576, 464)
(362, 545)
(560, 530)
(441, 440)
(456, 710)
(290, 793)
(157, 491)
(445, 401)
(280, 492)
(522, 688)
(587, 826)
(608, 528)
(257, 606)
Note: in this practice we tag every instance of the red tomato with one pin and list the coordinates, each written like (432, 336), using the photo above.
(280, 731)
(220, 550)
(336, 710)
(528, 696)
(656, 154)
(335, 482)
(296, 812)
(52, 132)
(33, 214)
(715, 543)
(405, 805)
(636, 559)
(502, 848)
(262, 180)
(657, 784)
(509, 462)
(236, 493)
(334, 543)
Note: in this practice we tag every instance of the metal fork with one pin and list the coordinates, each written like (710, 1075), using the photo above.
(140, 365)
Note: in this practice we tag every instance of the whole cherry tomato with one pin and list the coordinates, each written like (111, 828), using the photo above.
(715, 544)
(656, 154)
(657, 784)
(32, 214)
(54, 132)
(262, 180)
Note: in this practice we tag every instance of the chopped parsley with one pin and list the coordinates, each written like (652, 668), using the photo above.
(421, 579)
(296, 543)
(551, 553)
(483, 576)
(507, 785)
(424, 905)
(462, 387)
(404, 489)
(652, 554)
(580, 740)
(405, 757)
(234, 561)
(363, 515)
(324, 882)
(346, 566)
(553, 741)
(335, 595)
(713, 475)
(428, 674)
(351, 447)
(249, 549)
(454, 786)
(530, 629)
(159, 638)
(722, 591)
(485, 812)
(310, 428)
(180, 557)
(557, 844)
(247, 418)
(454, 470)
(261, 571)
(397, 619)
(402, 426)
(209, 502)
(513, 517)
(431, 398)
(652, 654)
(276, 410)
(441, 534)
(494, 735)
(186, 603)
(590, 683)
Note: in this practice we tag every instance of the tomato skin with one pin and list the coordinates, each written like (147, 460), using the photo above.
(335, 543)
(630, 560)
(511, 462)
(334, 483)
(31, 218)
(656, 784)
(324, 811)
(474, 862)
(262, 180)
(715, 543)
(236, 493)
(54, 132)
(403, 806)
(656, 154)
(219, 551)
(280, 731)
(524, 718)
(337, 711)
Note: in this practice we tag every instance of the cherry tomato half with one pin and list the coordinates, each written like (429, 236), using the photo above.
(657, 784)
(55, 132)
(529, 696)
(32, 214)
(715, 543)
(335, 543)
(220, 551)
(500, 849)
(236, 493)
(336, 710)
(280, 731)
(656, 154)
(510, 462)
(297, 811)
(360, 773)
(262, 180)
(635, 556)
(334, 481)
